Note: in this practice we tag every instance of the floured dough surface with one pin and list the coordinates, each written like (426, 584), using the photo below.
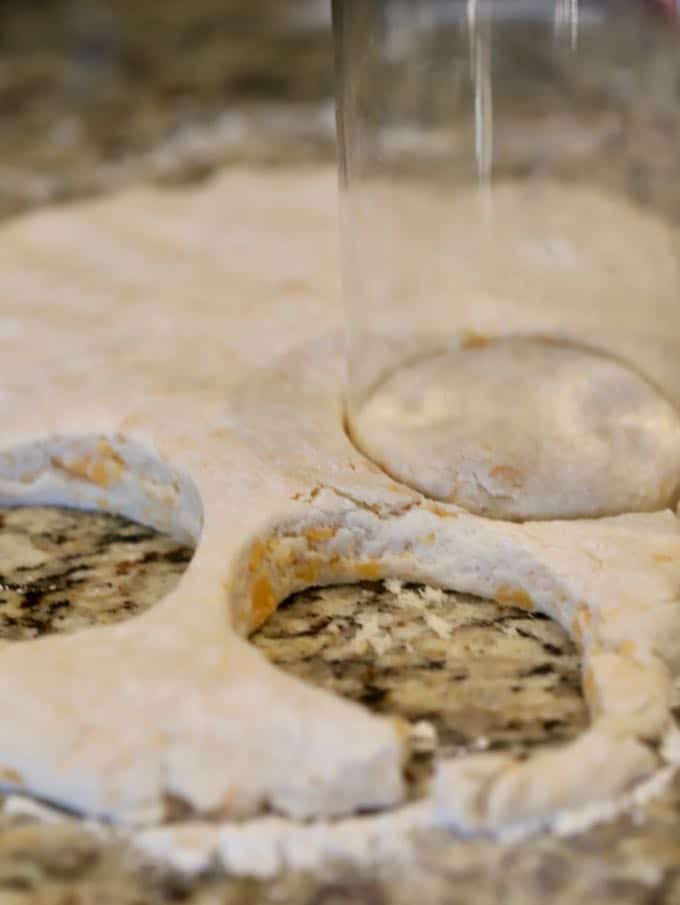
(525, 429)
(240, 450)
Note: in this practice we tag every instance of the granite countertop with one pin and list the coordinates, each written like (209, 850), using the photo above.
(93, 97)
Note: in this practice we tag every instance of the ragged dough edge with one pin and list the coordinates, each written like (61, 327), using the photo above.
(103, 472)
(266, 846)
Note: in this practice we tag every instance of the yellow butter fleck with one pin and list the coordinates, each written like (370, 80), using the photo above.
(262, 600)
(11, 776)
(368, 570)
(472, 339)
(256, 556)
(514, 597)
(318, 535)
(307, 572)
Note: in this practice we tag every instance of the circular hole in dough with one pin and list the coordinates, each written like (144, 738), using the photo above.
(482, 675)
(65, 569)
(99, 529)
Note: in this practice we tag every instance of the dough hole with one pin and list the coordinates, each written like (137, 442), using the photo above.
(484, 676)
(63, 570)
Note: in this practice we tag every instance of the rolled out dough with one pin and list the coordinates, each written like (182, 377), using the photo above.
(189, 375)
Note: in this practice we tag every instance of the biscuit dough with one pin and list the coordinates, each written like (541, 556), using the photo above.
(520, 428)
(185, 386)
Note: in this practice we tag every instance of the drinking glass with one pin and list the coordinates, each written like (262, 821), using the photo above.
(510, 197)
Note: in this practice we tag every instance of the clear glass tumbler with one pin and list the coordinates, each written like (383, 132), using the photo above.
(510, 184)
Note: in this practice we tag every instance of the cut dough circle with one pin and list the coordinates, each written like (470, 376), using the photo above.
(521, 428)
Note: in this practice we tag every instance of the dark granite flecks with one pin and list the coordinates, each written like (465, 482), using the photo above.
(62, 570)
(97, 95)
(482, 675)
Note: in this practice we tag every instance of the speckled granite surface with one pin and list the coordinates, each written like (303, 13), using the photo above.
(97, 95)
(63, 570)
(482, 675)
